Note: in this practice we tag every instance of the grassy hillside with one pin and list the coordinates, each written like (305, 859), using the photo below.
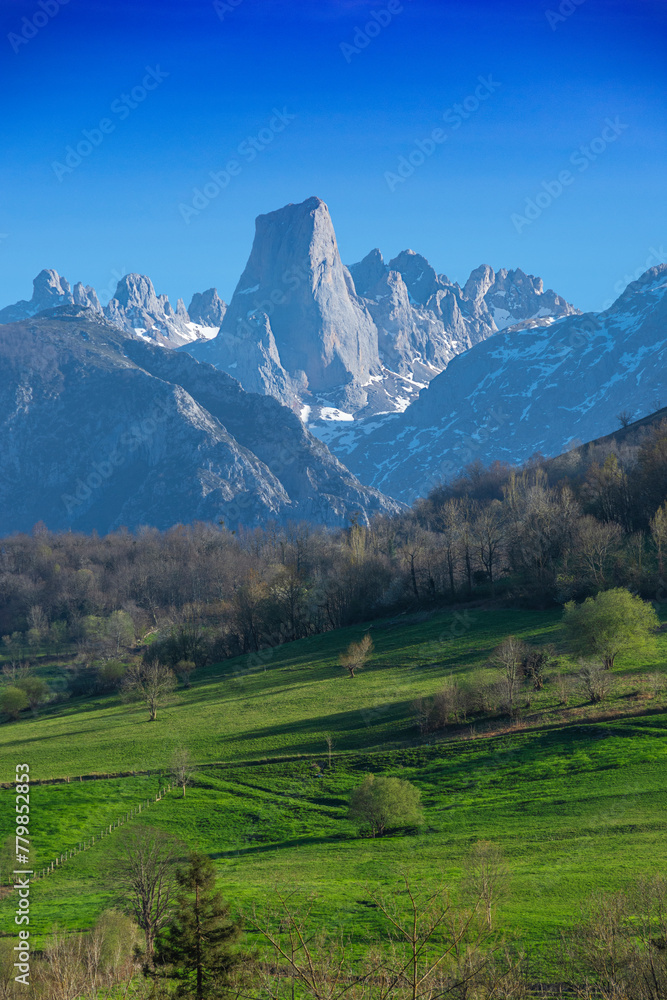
(576, 797)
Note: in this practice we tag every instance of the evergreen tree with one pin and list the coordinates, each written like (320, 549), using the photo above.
(197, 948)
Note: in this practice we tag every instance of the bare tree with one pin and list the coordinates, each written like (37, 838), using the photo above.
(625, 417)
(659, 533)
(507, 657)
(144, 874)
(430, 950)
(487, 877)
(594, 681)
(597, 541)
(182, 767)
(151, 682)
(330, 745)
(315, 965)
(489, 531)
(435, 943)
(356, 655)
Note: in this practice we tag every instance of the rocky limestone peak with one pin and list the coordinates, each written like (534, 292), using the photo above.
(136, 291)
(137, 308)
(368, 272)
(207, 308)
(50, 290)
(86, 296)
(421, 279)
(295, 275)
(479, 282)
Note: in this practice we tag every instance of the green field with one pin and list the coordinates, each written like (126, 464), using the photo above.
(575, 797)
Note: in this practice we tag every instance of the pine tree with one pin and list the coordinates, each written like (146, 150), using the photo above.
(197, 948)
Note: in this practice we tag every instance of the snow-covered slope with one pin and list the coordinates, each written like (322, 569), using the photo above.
(532, 389)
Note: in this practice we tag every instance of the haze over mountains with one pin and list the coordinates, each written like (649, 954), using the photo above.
(402, 374)
(100, 430)
(135, 308)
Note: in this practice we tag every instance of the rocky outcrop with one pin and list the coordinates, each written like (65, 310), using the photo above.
(137, 309)
(50, 291)
(250, 354)
(368, 272)
(100, 429)
(207, 308)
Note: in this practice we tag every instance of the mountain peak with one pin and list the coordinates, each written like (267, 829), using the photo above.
(207, 308)
(136, 291)
(295, 275)
(368, 271)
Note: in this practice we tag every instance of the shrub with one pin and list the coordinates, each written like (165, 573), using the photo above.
(110, 675)
(534, 664)
(36, 691)
(381, 803)
(13, 701)
(183, 669)
(594, 681)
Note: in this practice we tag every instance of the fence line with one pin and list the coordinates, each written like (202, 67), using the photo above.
(89, 842)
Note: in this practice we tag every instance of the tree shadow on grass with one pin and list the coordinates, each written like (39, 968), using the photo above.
(283, 845)
(352, 721)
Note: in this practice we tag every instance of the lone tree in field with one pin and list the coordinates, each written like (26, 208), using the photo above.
(382, 803)
(182, 767)
(356, 655)
(151, 682)
(486, 877)
(508, 657)
(613, 622)
(144, 874)
(197, 945)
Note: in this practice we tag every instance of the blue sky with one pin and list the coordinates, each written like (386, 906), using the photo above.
(220, 75)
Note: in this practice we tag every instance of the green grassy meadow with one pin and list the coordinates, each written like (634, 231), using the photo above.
(576, 798)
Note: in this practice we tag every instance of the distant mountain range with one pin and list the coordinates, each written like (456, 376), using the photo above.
(343, 343)
(402, 374)
(534, 390)
(329, 341)
(134, 308)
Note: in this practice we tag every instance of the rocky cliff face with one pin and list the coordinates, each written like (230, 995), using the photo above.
(359, 341)
(529, 389)
(207, 308)
(101, 430)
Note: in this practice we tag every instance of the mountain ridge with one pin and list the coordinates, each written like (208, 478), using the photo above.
(101, 429)
(524, 391)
